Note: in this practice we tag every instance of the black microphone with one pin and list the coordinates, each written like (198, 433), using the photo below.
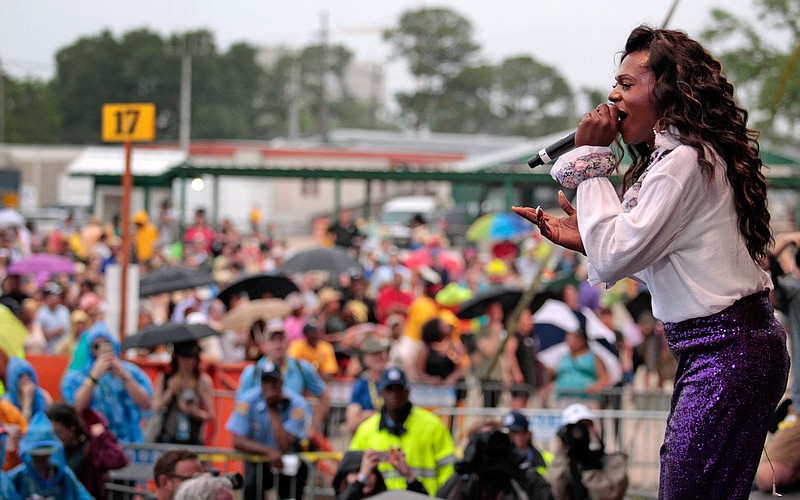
(553, 151)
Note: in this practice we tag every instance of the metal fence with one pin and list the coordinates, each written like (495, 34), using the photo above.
(135, 479)
(635, 426)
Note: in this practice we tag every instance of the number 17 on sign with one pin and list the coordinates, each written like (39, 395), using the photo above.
(129, 122)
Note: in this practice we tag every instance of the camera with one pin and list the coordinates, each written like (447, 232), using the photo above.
(236, 479)
(189, 396)
(489, 454)
(577, 443)
(575, 438)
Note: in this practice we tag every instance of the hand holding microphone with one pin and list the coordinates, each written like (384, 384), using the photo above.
(598, 127)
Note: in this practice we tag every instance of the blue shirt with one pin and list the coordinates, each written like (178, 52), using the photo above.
(298, 376)
(251, 418)
(362, 395)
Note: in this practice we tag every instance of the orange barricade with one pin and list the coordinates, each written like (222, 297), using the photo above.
(49, 369)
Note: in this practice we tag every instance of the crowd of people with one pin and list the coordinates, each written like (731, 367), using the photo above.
(381, 319)
(397, 318)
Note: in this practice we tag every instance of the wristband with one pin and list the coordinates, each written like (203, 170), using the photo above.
(92, 380)
(362, 478)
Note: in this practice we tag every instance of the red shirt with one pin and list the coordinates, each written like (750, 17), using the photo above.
(389, 300)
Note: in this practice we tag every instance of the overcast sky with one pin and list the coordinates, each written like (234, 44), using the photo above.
(579, 37)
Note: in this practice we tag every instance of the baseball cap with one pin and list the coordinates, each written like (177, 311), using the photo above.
(271, 370)
(515, 421)
(393, 376)
(574, 413)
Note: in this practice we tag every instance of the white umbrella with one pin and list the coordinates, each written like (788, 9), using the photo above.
(552, 322)
(10, 217)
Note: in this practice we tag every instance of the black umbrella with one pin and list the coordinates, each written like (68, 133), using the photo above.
(334, 260)
(259, 286)
(168, 333)
(507, 296)
(172, 278)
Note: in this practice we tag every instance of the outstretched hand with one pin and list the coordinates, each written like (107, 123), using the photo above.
(562, 231)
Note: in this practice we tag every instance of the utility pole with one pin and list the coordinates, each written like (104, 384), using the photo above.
(186, 50)
(2, 104)
(294, 102)
(323, 70)
(184, 133)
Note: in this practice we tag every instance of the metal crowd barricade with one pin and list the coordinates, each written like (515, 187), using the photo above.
(637, 433)
(142, 458)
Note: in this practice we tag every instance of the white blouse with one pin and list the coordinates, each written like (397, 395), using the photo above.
(681, 240)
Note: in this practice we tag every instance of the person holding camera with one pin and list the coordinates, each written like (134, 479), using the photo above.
(183, 398)
(118, 389)
(493, 469)
(581, 469)
(427, 443)
(358, 476)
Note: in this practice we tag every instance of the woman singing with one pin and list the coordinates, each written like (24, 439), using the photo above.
(693, 225)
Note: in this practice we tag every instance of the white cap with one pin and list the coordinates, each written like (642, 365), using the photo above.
(574, 413)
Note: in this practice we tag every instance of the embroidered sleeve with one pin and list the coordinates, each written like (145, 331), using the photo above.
(571, 170)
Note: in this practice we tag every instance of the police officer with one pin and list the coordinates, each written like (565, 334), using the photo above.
(270, 421)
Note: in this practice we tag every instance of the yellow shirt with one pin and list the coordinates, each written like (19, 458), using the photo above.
(322, 357)
(421, 310)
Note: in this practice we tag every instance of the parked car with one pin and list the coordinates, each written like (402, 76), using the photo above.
(397, 213)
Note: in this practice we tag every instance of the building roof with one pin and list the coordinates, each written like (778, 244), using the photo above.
(110, 160)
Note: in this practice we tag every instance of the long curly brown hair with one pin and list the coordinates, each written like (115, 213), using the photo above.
(692, 94)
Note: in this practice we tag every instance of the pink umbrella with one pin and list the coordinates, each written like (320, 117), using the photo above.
(42, 263)
(428, 256)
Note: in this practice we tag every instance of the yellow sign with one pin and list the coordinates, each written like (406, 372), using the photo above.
(135, 122)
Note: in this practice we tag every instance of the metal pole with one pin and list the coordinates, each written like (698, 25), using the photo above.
(2, 104)
(323, 94)
(294, 102)
(127, 182)
(186, 99)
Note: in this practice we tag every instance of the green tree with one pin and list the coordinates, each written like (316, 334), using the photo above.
(30, 112)
(765, 71)
(465, 103)
(534, 97)
(101, 69)
(141, 66)
(437, 44)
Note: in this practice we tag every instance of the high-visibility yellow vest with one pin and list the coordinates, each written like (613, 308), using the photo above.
(426, 443)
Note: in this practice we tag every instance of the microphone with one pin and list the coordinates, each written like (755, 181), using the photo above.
(553, 151)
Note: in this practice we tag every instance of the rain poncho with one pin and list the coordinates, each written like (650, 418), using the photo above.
(17, 367)
(110, 396)
(63, 485)
(7, 490)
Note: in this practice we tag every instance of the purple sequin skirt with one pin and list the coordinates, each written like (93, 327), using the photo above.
(732, 372)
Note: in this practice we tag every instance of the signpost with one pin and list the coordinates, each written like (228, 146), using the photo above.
(127, 123)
